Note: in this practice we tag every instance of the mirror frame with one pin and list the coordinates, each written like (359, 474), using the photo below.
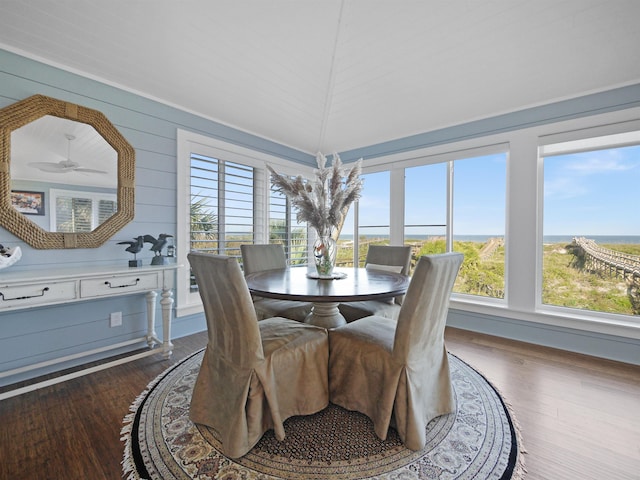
(26, 111)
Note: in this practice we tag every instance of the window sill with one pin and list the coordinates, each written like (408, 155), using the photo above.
(616, 325)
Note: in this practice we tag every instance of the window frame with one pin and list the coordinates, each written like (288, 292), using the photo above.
(397, 168)
(523, 223)
(187, 301)
(575, 141)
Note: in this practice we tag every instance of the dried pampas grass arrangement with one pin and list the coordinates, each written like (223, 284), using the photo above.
(324, 202)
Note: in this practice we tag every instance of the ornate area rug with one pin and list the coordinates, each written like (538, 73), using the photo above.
(479, 441)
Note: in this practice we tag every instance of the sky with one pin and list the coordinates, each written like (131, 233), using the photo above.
(479, 205)
(593, 193)
(588, 193)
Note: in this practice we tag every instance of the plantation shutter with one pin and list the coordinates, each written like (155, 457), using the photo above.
(79, 212)
(222, 207)
(73, 214)
(106, 208)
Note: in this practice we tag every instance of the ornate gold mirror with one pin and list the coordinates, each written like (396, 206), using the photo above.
(67, 176)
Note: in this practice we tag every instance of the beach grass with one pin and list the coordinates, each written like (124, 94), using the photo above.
(564, 283)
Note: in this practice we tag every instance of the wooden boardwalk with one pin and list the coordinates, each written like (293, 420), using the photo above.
(490, 247)
(615, 263)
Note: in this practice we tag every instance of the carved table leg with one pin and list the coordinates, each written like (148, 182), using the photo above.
(166, 303)
(152, 337)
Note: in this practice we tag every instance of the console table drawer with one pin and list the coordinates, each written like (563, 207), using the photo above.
(35, 294)
(118, 285)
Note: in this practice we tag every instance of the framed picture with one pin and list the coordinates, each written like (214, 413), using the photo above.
(29, 203)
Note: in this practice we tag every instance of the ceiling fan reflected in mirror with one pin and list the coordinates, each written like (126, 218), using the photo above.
(64, 166)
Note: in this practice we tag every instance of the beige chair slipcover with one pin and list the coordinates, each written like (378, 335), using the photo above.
(397, 373)
(257, 258)
(254, 375)
(380, 257)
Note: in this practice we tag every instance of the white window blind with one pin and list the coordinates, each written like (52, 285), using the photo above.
(80, 211)
(224, 200)
(106, 208)
(222, 205)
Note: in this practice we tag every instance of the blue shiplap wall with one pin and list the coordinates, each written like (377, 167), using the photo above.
(35, 335)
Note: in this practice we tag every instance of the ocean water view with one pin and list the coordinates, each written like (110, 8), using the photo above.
(600, 239)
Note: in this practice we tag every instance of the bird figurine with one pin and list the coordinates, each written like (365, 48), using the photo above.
(158, 245)
(134, 247)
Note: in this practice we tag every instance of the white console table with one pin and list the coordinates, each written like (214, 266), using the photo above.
(31, 289)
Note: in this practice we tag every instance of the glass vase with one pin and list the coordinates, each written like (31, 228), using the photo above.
(324, 253)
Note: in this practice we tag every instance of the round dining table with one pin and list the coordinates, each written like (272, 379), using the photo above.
(348, 285)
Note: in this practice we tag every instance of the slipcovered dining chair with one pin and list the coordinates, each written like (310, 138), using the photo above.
(257, 258)
(395, 259)
(254, 375)
(397, 373)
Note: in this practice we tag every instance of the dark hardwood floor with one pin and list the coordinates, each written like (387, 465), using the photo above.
(579, 415)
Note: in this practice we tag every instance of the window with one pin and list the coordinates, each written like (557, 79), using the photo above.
(471, 220)
(591, 227)
(222, 205)
(225, 200)
(347, 240)
(478, 227)
(373, 214)
(73, 211)
(284, 229)
(425, 207)
(461, 195)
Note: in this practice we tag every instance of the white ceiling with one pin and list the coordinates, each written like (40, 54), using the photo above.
(45, 140)
(336, 75)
